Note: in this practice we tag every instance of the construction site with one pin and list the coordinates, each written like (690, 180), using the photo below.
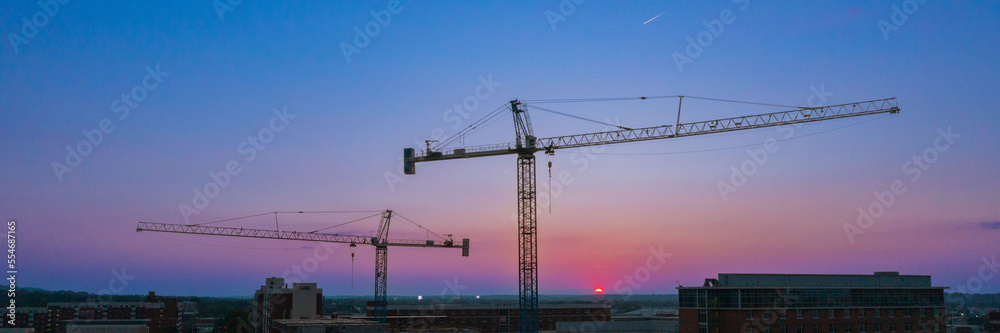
(552, 166)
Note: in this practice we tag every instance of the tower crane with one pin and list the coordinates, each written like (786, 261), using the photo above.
(380, 241)
(526, 144)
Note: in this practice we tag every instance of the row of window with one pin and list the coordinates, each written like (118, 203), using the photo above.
(809, 298)
(848, 328)
(845, 313)
(490, 312)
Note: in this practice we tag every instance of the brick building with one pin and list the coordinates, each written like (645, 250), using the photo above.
(799, 303)
(994, 322)
(157, 314)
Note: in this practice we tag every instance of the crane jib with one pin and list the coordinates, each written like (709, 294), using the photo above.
(526, 145)
(803, 115)
(295, 235)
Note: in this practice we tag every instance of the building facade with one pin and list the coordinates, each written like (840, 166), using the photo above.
(275, 300)
(156, 314)
(485, 317)
(800, 303)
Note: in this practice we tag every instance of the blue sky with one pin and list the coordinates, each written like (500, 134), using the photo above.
(224, 77)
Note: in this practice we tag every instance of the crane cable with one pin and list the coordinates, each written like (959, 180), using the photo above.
(348, 222)
(467, 130)
(574, 116)
(483, 126)
(421, 227)
(550, 183)
(741, 146)
(494, 115)
(612, 99)
(479, 124)
(285, 212)
(600, 99)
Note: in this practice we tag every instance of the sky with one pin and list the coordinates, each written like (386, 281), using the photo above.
(116, 112)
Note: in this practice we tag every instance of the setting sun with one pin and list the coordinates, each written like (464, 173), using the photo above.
(599, 291)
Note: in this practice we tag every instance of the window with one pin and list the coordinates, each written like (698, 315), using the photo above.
(847, 313)
(832, 328)
(878, 313)
(878, 327)
(767, 315)
(831, 313)
(908, 326)
(848, 328)
(907, 312)
(784, 329)
(863, 327)
(800, 329)
(921, 313)
(798, 314)
(861, 313)
(816, 328)
(749, 315)
(892, 313)
(749, 329)
(815, 313)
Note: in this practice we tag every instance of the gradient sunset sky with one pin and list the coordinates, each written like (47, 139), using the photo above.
(224, 70)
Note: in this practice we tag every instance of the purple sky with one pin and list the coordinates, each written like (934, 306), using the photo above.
(198, 83)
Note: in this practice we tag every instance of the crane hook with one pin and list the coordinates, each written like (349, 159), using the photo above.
(352, 264)
(550, 182)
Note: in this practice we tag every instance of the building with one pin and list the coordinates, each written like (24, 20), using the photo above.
(156, 314)
(653, 325)
(485, 317)
(641, 320)
(324, 325)
(994, 322)
(107, 326)
(275, 300)
(965, 329)
(800, 303)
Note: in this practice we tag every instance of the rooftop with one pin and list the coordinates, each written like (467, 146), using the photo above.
(877, 280)
(325, 322)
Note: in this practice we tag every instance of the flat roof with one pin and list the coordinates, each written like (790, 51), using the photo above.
(877, 280)
(326, 322)
(437, 307)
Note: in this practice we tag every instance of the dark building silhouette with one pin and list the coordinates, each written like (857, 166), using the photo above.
(158, 314)
(485, 317)
(275, 300)
(799, 303)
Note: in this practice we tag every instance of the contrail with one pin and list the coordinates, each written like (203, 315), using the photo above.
(654, 17)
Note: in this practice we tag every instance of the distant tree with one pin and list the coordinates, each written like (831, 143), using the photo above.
(235, 321)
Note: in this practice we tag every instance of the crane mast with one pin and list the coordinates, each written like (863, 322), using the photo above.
(380, 241)
(526, 145)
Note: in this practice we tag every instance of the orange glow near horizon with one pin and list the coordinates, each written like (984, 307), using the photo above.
(599, 291)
